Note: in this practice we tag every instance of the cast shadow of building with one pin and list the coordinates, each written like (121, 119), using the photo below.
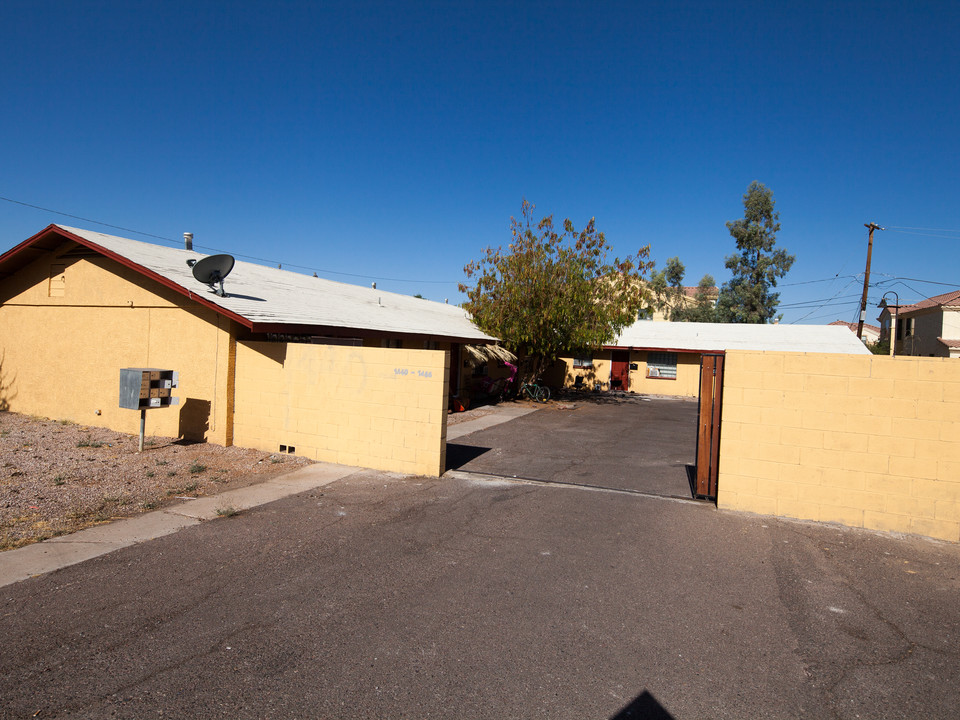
(194, 420)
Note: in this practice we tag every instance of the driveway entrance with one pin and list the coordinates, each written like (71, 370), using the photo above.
(631, 443)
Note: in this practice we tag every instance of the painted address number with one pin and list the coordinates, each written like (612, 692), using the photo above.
(414, 373)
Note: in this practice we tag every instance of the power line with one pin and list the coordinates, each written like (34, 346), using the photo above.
(928, 282)
(826, 302)
(810, 282)
(77, 217)
(819, 300)
(922, 234)
(221, 250)
(900, 227)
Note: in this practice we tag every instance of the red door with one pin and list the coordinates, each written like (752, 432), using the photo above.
(620, 370)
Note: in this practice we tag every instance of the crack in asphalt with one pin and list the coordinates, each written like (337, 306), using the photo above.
(474, 475)
(823, 557)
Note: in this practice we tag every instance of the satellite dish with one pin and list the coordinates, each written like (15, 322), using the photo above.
(212, 270)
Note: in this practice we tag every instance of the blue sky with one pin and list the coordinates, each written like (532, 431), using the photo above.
(393, 141)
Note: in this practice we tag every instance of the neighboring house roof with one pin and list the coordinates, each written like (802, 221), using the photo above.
(691, 291)
(949, 342)
(950, 299)
(853, 326)
(266, 299)
(718, 337)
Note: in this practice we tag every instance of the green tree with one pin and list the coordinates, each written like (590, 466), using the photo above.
(747, 297)
(666, 287)
(553, 292)
(703, 308)
(669, 297)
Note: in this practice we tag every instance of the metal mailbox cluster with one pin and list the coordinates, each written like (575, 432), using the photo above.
(143, 388)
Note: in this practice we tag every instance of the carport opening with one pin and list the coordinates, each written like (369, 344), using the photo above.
(609, 440)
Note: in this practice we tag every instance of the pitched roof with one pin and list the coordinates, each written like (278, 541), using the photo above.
(718, 337)
(691, 291)
(950, 299)
(267, 299)
(950, 342)
(853, 326)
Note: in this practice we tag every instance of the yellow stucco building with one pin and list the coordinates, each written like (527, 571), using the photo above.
(663, 358)
(282, 360)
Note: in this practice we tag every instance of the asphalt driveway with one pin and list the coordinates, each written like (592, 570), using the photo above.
(384, 596)
(633, 443)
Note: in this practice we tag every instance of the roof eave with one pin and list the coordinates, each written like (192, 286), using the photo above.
(53, 229)
(355, 332)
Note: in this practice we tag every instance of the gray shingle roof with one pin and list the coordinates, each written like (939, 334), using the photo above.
(271, 296)
(715, 337)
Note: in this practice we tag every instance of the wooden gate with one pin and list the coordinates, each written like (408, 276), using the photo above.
(708, 425)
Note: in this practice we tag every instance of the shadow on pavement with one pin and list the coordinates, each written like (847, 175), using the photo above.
(643, 707)
(460, 455)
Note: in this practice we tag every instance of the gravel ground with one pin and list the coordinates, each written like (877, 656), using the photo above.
(58, 477)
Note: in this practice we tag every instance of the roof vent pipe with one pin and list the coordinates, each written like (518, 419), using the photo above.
(188, 241)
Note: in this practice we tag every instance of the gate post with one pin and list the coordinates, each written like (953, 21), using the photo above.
(708, 426)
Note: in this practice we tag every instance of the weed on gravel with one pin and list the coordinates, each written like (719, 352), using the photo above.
(51, 484)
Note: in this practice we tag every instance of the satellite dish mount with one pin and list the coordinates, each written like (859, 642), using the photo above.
(212, 270)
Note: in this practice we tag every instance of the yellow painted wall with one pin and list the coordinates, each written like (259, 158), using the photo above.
(686, 384)
(866, 441)
(373, 407)
(65, 335)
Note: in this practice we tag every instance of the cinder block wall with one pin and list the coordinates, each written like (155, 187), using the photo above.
(64, 337)
(373, 407)
(867, 441)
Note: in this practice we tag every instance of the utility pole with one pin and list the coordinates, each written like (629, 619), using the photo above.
(866, 279)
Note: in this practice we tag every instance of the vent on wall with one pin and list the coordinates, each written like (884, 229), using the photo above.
(58, 281)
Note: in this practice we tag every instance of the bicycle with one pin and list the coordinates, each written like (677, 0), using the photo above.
(534, 391)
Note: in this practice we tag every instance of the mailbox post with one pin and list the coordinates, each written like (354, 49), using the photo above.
(144, 388)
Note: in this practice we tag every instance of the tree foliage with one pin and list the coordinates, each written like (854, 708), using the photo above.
(703, 308)
(666, 287)
(553, 291)
(747, 297)
(669, 297)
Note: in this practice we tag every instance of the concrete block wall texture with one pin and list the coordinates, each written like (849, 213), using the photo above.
(67, 327)
(866, 441)
(382, 408)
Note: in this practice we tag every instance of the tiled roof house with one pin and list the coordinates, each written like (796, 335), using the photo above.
(929, 328)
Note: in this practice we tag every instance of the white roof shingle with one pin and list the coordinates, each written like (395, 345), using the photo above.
(716, 337)
(271, 296)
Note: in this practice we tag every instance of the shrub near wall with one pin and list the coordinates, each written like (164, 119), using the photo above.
(867, 441)
(372, 407)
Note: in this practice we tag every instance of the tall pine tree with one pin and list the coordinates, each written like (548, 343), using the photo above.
(748, 296)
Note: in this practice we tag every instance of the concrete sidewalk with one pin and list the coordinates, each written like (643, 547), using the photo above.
(501, 413)
(56, 553)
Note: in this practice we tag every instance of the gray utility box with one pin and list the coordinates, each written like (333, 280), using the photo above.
(142, 388)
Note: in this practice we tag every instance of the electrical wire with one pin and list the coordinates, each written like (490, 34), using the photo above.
(811, 282)
(77, 217)
(829, 300)
(900, 227)
(220, 250)
(921, 234)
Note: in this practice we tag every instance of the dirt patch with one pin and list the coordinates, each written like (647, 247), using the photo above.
(58, 477)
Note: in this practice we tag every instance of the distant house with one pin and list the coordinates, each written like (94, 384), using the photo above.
(686, 298)
(870, 335)
(929, 328)
(664, 358)
(280, 361)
